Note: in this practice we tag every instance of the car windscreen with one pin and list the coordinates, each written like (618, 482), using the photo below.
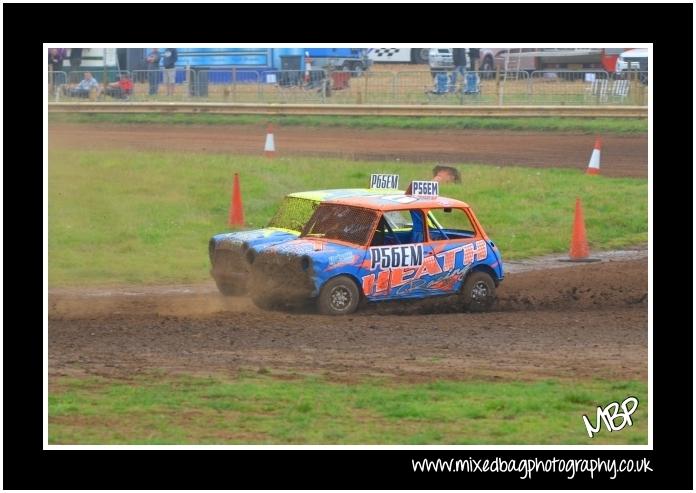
(341, 222)
(293, 213)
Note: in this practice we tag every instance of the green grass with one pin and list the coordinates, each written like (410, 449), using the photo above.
(146, 217)
(262, 409)
(596, 125)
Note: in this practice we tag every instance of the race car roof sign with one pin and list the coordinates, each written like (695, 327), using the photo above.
(425, 189)
(384, 181)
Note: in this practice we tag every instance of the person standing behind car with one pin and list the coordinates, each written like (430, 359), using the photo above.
(169, 63)
(153, 61)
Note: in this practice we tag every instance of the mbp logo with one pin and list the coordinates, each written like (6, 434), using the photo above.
(609, 415)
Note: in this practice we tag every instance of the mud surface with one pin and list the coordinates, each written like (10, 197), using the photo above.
(580, 321)
(622, 155)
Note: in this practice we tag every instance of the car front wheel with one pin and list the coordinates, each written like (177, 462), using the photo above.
(478, 293)
(339, 296)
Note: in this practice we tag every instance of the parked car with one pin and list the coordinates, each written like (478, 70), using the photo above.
(492, 59)
(489, 60)
(375, 248)
(441, 59)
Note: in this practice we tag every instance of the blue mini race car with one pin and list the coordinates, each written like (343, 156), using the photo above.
(381, 247)
(231, 254)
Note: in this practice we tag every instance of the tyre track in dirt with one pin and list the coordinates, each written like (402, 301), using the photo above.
(622, 155)
(585, 321)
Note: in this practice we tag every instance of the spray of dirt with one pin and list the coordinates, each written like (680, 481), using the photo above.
(583, 287)
(580, 321)
(63, 306)
(280, 281)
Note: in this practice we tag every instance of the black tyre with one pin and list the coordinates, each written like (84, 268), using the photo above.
(420, 55)
(478, 293)
(487, 68)
(339, 296)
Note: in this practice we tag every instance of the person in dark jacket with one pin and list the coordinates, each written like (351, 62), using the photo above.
(474, 55)
(55, 63)
(55, 58)
(153, 61)
(75, 58)
(169, 61)
(459, 60)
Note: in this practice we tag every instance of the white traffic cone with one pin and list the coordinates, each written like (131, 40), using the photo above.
(593, 165)
(269, 148)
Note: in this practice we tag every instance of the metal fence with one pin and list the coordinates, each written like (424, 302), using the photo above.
(542, 87)
(155, 84)
(232, 85)
(56, 81)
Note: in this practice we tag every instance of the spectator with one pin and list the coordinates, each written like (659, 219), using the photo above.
(85, 87)
(459, 59)
(169, 63)
(474, 55)
(55, 58)
(55, 62)
(75, 58)
(121, 89)
(153, 60)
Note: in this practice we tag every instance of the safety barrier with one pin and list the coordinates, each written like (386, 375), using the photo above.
(56, 82)
(587, 111)
(327, 86)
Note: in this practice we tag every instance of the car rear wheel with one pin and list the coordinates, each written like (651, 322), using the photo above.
(339, 296)
(478, 293)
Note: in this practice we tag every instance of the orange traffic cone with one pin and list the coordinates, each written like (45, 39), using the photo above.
(269, 148)
(593, 165)
(579, 249)
(236, 217)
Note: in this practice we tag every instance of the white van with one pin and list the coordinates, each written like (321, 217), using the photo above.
(632, 60)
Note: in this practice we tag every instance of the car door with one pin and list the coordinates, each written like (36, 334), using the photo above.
(457, 245)
(397, 258)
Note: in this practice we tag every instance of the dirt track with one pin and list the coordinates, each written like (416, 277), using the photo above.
(622, 155)
(582, 321)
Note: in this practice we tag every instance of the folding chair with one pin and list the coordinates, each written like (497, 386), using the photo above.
(600, 89)
(620, 88)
